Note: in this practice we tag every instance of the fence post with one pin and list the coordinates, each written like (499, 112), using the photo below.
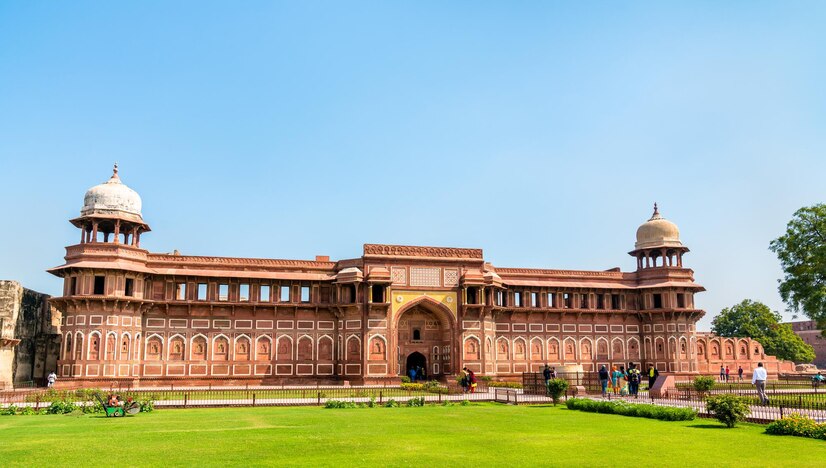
(440, 397)
(319, 398)
(381, 396)
(253, 398)
(781, 411)
(37, 402)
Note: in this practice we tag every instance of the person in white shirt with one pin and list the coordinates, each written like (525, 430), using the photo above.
(51, 379)
(758, 378)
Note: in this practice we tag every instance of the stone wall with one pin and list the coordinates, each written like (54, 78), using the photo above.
(29, 335)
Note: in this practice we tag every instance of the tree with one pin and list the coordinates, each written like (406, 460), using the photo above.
(755, 320)
(802, 254)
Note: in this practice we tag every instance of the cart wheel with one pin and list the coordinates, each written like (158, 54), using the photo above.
(117, 414)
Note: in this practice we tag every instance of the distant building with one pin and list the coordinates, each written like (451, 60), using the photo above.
(29, 336)
(135, 315)
(808, 331)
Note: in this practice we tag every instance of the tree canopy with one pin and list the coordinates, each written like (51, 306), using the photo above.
(802, 254)
(755, 320)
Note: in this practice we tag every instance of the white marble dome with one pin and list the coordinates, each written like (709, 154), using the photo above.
(658, 232)
(112, 197)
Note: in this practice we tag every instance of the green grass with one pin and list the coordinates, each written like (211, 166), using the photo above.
(481, 435)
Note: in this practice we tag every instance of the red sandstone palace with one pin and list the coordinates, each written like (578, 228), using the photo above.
(133, 315)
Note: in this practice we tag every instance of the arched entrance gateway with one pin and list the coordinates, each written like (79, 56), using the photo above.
(424, 338)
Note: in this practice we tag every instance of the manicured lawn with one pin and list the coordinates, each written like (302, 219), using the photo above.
(481, 435)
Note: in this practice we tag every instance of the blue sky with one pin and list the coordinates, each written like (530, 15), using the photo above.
(541, 132)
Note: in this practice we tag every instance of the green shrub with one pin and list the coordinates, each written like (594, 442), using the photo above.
(703, 383)
(147, 406)
(61, 407)
(10, 410)
(338, 404)
(391, 403)
(557, 388)
(797, 425)
(464, 403)
(415, 402)
(405, 379)
(728, 409)
(639, 410)
(412, 387)
(486, 378)
(504, 384)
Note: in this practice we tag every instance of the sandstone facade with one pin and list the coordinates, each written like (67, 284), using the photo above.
(130, 314)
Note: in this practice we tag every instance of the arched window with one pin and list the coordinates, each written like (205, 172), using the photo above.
(67, 353)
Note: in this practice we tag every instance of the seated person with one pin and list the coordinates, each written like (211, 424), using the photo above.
(114, 401)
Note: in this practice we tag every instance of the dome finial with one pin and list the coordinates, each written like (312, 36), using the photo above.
(656, 211)
(115, 172)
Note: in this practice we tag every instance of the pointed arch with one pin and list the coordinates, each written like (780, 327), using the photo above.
(471, 348)
(586, 349)
(520, 348)
(617, 349)
(553, 346)
(304, 348)
(353, 344)
(603, 349)
(242, 347)
(176, 351)
(136, 346)
(633, 348)
(263, 348)
(220, 348)
(659, 348)
(502, 349)
(377, 346)
(79, 341)
(569, 349)
(198, 347)
(154, 347)
(67, 347)
(324, 348)
(489, 348)
(110, 349)
(125, 346)
(536, 349)
(284, 348)
(93, 350)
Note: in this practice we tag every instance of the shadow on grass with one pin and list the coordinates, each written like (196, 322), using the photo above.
(707, 426)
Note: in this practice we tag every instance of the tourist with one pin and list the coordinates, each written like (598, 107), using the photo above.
(616, 378)
(758, 379)
(818, 379)
(553, 372)
(465, 381)
(623, 382)
(546, 373)
(653, 373)
(722, 373)
(603, 380)
(633, 379)
(412, 373)
(727, 373)
(472, 380)
(740, 373)
(50, 380)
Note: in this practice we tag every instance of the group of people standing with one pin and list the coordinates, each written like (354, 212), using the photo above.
(725, 372)
(625, 382)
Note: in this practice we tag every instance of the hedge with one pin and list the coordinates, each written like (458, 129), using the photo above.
(639, 410)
